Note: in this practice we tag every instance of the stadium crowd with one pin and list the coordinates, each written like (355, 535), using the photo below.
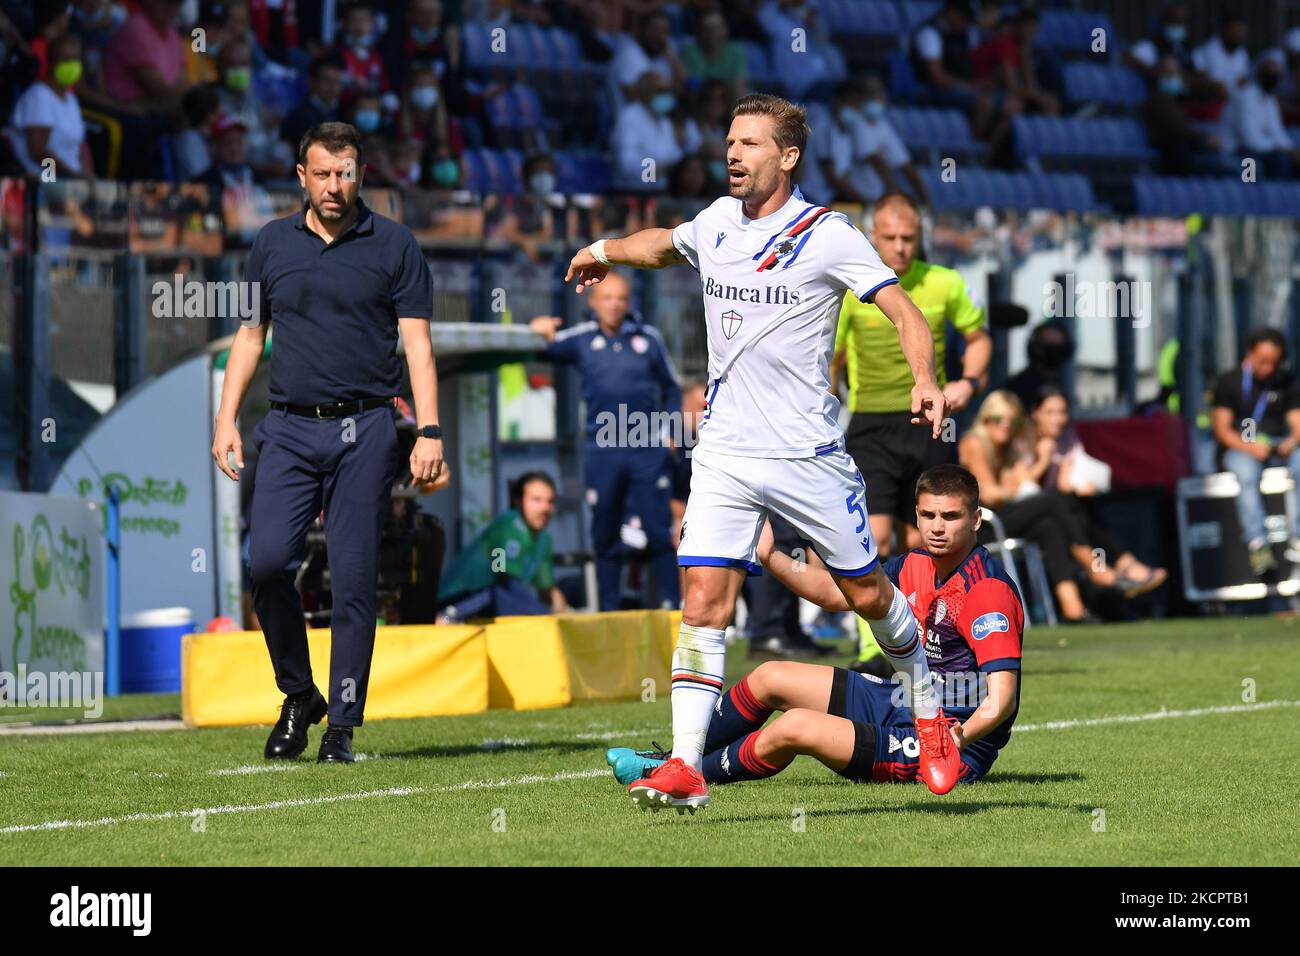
(221, 93)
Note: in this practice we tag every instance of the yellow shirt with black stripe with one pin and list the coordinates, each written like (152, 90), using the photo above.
(880, 380)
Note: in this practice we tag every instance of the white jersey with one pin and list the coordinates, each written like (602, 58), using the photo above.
(773, 288)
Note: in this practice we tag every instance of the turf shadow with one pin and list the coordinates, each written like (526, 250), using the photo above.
(943, 809)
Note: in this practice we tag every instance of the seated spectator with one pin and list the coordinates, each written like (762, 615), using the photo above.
(444, 170)
(145, 59)
(1256, 422)
(1007, 59)
(423, 113)
(1224, 61)
(1000, 451)
(363, 67)
(366, 113)
(428, 39)
(1050, 347)
(1252, 124)
(1168, 40)
(650, 51)
(879, 143)
(817, 63)
(1183, 146)
(230, 168)
(712, 114)
(690, 180)
(1057, 439)
(46, 121)
(507, 568)
(267, 153)
(321, 105)
(1288, 91)
(190, 145)
(836, 167)
(534, 217)
(646, 130)
(201, 57)
(712, 56)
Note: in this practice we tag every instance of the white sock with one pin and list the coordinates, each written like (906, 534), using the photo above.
(899, 638)
(698, 664)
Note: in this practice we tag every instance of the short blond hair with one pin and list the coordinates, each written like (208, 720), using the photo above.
(790, 120)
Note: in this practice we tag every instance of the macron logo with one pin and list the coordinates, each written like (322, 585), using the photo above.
(134, 910)
(721, 236)
(994, 622)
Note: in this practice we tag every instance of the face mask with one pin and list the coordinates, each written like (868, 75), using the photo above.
(1171, 85)
(424, 97)
(238, 78)
(424, 37)
(663, 103)
(67, 72)
(543, 184)
(874, 110)
(845, 115)
(367, 120)
(1175, 33)
(718, 170)
(446, 172)
(360, 44)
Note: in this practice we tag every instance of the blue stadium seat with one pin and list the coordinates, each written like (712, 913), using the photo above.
(861, 17)
(1070, 32)
(757, 65)
(475, 175)
(477, 46)
(915, 12)
(1108, 85)
(901, 77)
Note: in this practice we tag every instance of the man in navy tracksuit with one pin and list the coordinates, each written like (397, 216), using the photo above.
(337, 282)
(628, 384)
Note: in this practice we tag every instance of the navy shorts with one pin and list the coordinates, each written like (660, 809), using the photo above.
(885, 748)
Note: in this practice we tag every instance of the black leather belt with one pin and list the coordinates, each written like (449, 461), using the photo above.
(332, 409)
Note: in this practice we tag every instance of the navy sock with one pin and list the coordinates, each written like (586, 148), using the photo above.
(737, 761)
(737, 712)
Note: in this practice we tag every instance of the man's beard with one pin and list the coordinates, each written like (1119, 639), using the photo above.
(331, 213)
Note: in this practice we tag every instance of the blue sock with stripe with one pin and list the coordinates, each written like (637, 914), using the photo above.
(698, 664)
(737, 713)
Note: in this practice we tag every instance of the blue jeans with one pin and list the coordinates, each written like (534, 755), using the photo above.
(1250, 503)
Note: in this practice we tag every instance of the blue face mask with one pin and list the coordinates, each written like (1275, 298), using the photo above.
(663, 103)
(1175, 32)
(446, 172)
(718, 170)
(367, 120)
(360, 44)
(1171, 85)
(874, 110)
(845, 115)
(424, 37)
(542, 184)
(424, 97)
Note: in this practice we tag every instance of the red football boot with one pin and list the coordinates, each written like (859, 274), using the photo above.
(940, 761)
(672, 784)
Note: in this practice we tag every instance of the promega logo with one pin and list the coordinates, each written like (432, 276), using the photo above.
(992, 623)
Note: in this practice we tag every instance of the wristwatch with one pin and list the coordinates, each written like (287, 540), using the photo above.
(430, 431)
(974, 384)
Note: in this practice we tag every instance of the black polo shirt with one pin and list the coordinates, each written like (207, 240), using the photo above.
(334, 306)
(1267, 403)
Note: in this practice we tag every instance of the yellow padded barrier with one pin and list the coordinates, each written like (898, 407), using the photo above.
(417, 671)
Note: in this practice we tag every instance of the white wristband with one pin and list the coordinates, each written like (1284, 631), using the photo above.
(597, 250)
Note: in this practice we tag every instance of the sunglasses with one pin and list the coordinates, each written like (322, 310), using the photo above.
(999, 419)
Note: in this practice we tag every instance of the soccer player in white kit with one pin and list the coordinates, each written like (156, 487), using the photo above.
(775, 270)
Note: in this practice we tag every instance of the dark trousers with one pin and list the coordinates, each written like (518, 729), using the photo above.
(774, 608)
(628, 483)
(1050, 521)
(509, 596)
(305, 465)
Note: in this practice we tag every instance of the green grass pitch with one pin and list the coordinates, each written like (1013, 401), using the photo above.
(1089, 778)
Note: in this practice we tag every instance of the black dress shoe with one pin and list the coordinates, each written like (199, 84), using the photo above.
(289, 735)
(336, 745)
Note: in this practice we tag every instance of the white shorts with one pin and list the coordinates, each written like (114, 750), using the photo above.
(824, 497)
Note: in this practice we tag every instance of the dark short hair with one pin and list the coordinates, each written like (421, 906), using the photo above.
(1044, 393)
(330, 61)
(1271, 336)
(334, 136)
(523, 481)
(950, 480)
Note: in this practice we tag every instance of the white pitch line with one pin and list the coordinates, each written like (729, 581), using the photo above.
(304, 801)
(1155, 715)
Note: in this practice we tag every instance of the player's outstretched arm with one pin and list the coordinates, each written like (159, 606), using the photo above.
(803, 578)
(997, 707)
(647, 249)
(917, 339)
